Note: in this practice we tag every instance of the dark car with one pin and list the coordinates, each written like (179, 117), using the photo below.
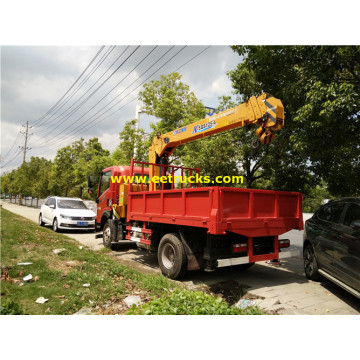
(332, 244)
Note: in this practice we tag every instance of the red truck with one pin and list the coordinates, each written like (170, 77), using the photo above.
(197, 227)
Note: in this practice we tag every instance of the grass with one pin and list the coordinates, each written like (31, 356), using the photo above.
(60, 278)
(185, 302)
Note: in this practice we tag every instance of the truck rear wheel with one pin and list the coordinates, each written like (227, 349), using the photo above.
(171, 256)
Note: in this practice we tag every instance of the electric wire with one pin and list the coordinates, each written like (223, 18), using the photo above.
(79, 87)
(15, 143)
(54, 106)
(97, 89)
(91, 124)
(88, 123)
(192, 58)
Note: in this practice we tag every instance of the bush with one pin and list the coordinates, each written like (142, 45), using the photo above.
(185, 302)
(11, 308)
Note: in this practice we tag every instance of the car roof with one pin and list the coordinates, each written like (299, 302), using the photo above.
(345, 199)
(64, 198)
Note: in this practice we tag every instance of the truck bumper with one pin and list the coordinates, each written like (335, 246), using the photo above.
(245, 259)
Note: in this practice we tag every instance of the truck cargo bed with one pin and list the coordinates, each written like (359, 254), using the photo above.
(248, 212)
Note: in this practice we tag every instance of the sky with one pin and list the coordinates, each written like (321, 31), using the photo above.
(35, 78)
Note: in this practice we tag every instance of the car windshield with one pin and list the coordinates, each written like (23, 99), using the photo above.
(71, 204)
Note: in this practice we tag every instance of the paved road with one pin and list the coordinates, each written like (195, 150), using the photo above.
(284, 289)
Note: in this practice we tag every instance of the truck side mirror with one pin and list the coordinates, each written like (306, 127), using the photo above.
(91, 180)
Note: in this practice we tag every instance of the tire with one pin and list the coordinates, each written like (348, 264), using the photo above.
(55, 225)
(310, 264)
(171, 256)
(107, 236)
(41, 223)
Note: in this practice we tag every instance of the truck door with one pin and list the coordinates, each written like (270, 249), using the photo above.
(103, 195)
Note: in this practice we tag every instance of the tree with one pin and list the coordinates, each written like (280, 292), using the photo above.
(92, 160)
(173, 103)
(62, 179)
(227, 153)
(130, 140)
(73, 164)
(320, 89)
(29, 179)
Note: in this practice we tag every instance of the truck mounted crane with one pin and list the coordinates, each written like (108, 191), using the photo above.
(199, 227)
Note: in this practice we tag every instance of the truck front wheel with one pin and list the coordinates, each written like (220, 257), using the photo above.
(107, 236)
(171, 256)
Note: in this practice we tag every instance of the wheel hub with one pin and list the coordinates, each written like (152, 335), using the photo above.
(168, 256)
(107, 235)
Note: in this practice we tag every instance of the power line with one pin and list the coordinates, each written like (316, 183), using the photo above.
(80, 86)
(14, 144)
(19, 151)
(84, 101)
(54, 106)
(192, 58)
(86, 126)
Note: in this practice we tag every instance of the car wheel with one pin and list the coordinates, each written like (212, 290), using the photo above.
(55, 225)
(171, 256)
(41, 223)
(107, 236)
(310, 264)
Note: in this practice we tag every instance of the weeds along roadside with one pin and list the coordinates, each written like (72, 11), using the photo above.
(61, 277)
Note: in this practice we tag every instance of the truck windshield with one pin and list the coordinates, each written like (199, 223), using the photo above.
(105, 182)
(71, 204)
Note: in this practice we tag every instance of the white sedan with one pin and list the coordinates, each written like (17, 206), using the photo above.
(66, 214)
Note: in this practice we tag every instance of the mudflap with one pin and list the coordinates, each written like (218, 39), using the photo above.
(116, 231)
(193, 263)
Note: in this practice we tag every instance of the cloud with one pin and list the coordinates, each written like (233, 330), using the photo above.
(35, 78)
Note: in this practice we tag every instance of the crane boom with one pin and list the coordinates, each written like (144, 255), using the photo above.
(264, 110)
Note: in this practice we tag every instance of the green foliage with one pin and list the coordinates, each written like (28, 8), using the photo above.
(11, 308)
(62, 284)
(130, 140)
(92, 160)
(315, 198)
(31, 178)
(172, 102)
(320, 89)
(185, 302)
(65, 176)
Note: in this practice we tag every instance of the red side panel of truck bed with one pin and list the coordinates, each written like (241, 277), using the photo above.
(248, 212)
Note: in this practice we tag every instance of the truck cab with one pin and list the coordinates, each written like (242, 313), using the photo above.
(109, 188)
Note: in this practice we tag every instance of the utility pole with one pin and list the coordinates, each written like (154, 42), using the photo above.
(26, 133)
(137, 117)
